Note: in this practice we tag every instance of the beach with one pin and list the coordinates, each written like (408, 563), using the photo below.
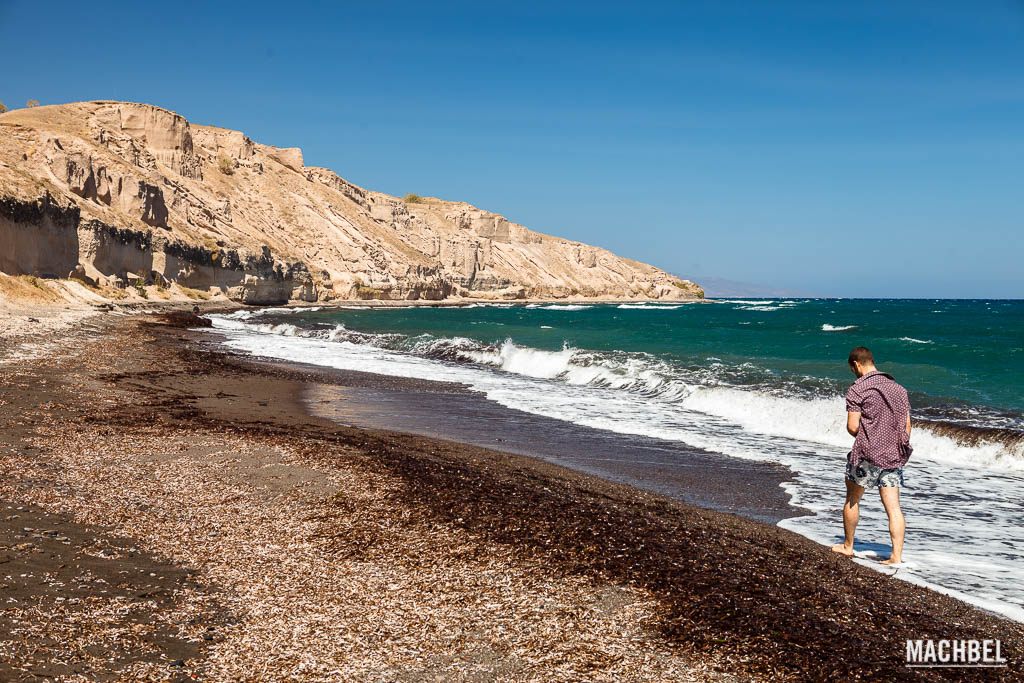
(172, 510)
(746, 395)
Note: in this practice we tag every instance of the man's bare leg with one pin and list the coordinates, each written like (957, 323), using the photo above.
(851, 514)
(897, 525)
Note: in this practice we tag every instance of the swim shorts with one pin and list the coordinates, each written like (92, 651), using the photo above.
(871, 476)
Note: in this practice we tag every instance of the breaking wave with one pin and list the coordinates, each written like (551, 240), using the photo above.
(249, 314)
(823, 420)
(757, 304)
(750, 302)
(564, 307)
(757, 407)
(837, 328)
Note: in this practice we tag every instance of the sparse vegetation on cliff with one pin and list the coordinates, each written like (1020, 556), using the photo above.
(226, 165)
(138, 281)
(686, 286)
(412, 198)
(3, 108)
(364, 292)
(194, 293)
(32, 103)
(25, 288)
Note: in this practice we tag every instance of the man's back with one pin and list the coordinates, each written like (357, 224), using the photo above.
(884, 407)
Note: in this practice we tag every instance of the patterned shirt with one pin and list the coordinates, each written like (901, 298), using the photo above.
(883, 406)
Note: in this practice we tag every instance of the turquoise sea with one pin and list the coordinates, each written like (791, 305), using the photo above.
(749, 378)
(960, 359)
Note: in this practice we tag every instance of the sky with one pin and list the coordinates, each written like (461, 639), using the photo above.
(869, 149)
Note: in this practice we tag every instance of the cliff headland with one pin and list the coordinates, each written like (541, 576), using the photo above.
(132, 201)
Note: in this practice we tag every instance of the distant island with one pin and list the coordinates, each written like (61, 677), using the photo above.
(721, 288)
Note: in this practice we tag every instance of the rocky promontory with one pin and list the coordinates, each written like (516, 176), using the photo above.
(118, 195)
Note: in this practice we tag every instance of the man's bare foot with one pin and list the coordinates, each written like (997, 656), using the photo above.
(842, 550)
(892, 560)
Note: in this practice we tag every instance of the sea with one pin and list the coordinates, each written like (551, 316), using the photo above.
(753, 379)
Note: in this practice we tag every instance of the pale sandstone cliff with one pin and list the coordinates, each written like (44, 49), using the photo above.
(108, 190)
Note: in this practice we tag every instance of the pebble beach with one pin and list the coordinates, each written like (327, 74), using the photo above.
(175, 512)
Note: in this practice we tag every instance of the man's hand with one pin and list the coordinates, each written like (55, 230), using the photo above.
(852, 423)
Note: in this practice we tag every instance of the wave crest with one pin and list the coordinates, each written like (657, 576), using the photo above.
(710, 390)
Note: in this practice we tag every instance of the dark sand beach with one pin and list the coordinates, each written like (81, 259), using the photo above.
(689, 474)
(173, 512)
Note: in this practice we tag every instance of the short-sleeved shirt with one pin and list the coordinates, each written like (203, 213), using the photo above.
(884, 407)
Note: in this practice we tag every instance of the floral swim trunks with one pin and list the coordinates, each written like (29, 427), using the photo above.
(871, 476)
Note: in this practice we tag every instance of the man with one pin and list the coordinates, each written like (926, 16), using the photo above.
(878, 417)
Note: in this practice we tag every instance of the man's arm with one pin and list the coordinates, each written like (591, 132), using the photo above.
(908, 424)
(853, 411)
(853, 423)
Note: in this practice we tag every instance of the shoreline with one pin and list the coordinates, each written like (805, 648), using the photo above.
(707, 479)
(706, 594)
(710, 480)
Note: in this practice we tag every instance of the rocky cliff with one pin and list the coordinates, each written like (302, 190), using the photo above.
(113, 192)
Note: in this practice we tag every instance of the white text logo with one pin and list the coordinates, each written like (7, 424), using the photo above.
(954, 653)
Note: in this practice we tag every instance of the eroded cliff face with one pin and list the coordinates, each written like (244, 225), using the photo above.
(49, 239)
(111, 190)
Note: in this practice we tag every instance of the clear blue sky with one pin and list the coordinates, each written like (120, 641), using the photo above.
(855, 149)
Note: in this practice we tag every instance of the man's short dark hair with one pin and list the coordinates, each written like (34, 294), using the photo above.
(862, 355)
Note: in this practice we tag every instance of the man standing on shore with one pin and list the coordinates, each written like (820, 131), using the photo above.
(878, 416)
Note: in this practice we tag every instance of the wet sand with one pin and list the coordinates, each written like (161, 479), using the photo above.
(710, 480)
(284, 546)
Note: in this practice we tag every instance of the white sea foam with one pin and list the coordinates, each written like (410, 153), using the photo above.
(970, 540)
(250, 313)
(916, 341)
(650, 307)
(758, 305)
(242, 314)
(565, 307)
(837, 328)
(285, 329)
(823, 421)
(525, 361)
(373, 305)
